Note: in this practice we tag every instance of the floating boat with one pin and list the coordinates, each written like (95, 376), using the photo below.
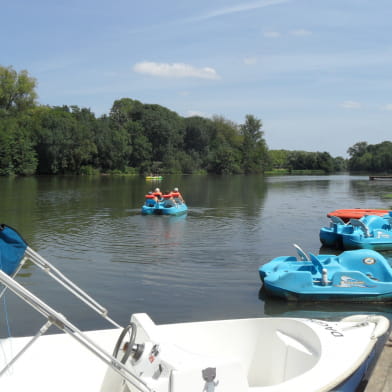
(369, 232)
(360, 275)
(240, 355)
(154, 178)
(331, 236)
(158, 204)
(356, 213)
(164, 208)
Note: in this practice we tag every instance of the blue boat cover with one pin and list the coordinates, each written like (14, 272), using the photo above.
(12, 248)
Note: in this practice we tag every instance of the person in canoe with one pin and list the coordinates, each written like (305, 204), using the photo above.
(177, 195)
(168, 199)
(158, 194)
(151, 199)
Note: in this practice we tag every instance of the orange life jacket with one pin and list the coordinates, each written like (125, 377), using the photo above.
(149, 197)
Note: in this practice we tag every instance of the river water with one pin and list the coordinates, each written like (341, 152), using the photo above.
(200, 266)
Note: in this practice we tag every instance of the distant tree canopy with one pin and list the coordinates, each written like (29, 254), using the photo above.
(376, 158)
(138, 138)
(303, 160)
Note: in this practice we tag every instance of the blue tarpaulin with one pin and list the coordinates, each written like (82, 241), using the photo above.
(12, 248)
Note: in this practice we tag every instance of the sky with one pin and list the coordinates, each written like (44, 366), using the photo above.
(317, 73)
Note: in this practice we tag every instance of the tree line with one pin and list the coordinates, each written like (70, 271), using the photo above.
(133, 138)
(375, 158)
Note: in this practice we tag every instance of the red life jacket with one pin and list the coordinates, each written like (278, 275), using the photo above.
(176, 194)
(149, 196)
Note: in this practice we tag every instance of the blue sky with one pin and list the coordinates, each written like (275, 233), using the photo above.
(318, 73)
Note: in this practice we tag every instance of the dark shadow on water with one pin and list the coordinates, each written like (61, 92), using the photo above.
(321, 310)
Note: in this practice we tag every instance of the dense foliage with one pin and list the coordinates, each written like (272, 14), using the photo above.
(303, 160)
(137, 138)
(376, 158)
(134, 137)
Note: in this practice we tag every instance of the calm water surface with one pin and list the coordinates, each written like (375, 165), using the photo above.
(201, 266)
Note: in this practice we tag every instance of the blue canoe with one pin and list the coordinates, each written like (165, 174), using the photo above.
(369, 232)
(360, 275)
(150, 207)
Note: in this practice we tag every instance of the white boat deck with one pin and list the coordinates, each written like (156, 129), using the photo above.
(46, 368)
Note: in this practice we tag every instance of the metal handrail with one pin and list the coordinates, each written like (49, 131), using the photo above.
(61, 322)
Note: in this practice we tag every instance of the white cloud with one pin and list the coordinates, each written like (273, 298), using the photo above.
(241, 8)
(272, 34)
(351, 105)
(192, 113)
(300, 32)
(295, 33)
(175, 70)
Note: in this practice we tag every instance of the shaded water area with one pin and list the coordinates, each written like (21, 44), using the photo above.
(200, 266)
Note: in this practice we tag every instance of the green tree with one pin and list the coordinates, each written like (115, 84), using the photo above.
(126, 117)
(164, 130)
(368, 157)
(63, 144)
(254, 147)
(340, 164)
(112, 146)
(198, 132)
(141, 155)
(324, 162)
(225, 149)
(197, 143)
(17, 91)
(278, 159)
(17, 154)
(6, 166)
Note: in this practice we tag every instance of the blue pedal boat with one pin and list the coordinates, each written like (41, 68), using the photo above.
(361, 275)
(331, 236)
(369, 232)
(151, 207)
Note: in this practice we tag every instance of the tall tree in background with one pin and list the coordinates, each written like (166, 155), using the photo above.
(225, 148)
(64, 140)
(197, 137)
(17, 91)
(125, 117)
(164, 129)
(17, 96)
(376, 158)
(254, 147)
(360, 158)
(17, 153)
